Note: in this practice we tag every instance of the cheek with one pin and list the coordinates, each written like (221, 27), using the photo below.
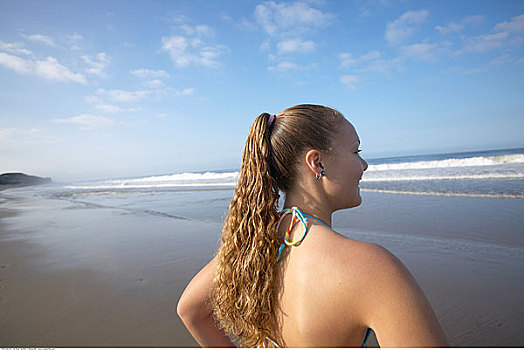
(344, 177)
(353, 171)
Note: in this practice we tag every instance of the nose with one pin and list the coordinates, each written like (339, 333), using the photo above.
(365, 164)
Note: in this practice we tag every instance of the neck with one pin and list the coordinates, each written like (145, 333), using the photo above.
(308, 204)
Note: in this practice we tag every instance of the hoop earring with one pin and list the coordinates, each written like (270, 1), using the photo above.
(318, 177)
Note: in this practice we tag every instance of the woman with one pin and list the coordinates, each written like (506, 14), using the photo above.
(289, 279)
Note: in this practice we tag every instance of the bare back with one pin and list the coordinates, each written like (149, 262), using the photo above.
(334, 288)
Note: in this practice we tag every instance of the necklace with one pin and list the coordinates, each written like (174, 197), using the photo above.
(297, 214)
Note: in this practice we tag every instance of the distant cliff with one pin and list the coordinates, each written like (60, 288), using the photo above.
(20, 179)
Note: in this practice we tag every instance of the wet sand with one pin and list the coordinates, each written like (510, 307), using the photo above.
(77, 274)
(95, 277)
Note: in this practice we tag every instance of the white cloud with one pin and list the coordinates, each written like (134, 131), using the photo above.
(422, 51)
(96, 64)
(366, 7)
(503, 35)
(272, 58)
(349, 80)
(177, 46)
(179, 19)
(49, 69)
(451, 27)
(193, 49)
(92, 99)
(195, 42)
(346, 59)
(370, 62)
(287, 23)
(288, 66)
(184, 52)
(187, 29)
(41, 38)
(476, 19)
(371, 55)
(209, 54)
(15, 63)
(197, 30)
(106, 108)
(185, 92)
(284, 66)
(155, 83)
(227, 18)
(403, 27)
(15, 48)
(515, 25)
(123, 95)
(464, 70)
(295, 45)
(87, 121)
(475, 70)
(281, 19)
(149, 73)
(485, 42)
(52, 70)
(265, 46)
(10, 136)
(74, 40)
(383, 66)
(500, 60)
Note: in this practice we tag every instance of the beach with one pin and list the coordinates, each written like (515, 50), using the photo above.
(125, 127)
(106, 268)
(77, 275)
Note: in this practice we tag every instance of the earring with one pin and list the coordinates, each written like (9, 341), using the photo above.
(323, 173)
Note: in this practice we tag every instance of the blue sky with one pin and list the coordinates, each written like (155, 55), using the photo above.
(94, 89)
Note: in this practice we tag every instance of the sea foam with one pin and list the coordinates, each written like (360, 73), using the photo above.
(465, 174)
(450, 163)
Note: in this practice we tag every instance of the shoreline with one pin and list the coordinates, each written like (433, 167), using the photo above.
(444, 194)
(5, 187)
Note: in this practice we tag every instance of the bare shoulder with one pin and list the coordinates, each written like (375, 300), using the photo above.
(361, 267)
(350, 269)
(377, 261)
(362, 257)
(344, 269)
(371, 270)
(389, 299)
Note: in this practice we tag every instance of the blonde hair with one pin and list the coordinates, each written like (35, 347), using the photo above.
(246, 284)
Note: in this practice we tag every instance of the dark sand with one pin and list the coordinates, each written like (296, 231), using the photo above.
(95, 277)
(74, 274)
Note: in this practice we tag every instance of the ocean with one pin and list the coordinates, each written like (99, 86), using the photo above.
(205, 196)
(494, 173)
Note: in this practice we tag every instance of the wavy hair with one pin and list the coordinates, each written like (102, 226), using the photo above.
(247, 281)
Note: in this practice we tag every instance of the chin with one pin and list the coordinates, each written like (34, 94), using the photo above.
(348, 200)
(356, 202)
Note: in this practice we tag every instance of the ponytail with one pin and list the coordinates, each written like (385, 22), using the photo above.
(245, 297)
(247, 283)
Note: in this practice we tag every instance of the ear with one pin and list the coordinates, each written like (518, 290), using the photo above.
(313, 161)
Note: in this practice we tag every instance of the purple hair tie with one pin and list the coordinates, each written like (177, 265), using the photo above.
(271, 120)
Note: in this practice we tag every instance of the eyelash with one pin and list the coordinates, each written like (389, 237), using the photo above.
(358, 151)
